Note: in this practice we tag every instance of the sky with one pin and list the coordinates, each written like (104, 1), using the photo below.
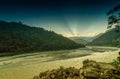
(67, 17)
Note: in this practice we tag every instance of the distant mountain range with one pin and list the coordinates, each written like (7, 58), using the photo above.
(89, 39)
(109, 38)
(18, 37)
(84, 40)
(79, 40)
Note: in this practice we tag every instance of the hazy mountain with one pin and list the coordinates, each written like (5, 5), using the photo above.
(89, 39)
(110, 38)
(84, 40)
(79, 40)
(18, 37)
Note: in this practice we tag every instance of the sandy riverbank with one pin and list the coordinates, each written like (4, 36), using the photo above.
(28, 71)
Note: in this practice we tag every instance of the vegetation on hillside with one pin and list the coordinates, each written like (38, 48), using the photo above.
(110, 38)
(18, 37)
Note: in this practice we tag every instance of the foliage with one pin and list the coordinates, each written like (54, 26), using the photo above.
(18, 37)
(61, 73)
(114, 17)
(116, 62)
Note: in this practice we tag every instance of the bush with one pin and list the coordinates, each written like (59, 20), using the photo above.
(117, 62)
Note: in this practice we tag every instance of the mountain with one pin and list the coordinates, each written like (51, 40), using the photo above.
(18, 37)
(79, 40)
(89, 39)
(109, 38)
(84, 40)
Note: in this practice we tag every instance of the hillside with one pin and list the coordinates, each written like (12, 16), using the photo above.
(79, 40)
(18, 37)
(89, 39)
(84, 40)
(110, 38)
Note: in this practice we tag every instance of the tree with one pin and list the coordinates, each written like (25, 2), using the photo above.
(114, 18)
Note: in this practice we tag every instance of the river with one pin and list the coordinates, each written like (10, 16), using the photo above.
(25, 66)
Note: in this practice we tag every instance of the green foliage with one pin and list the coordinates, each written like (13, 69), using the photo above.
(114, 17)
(116, 62)
(18, 37)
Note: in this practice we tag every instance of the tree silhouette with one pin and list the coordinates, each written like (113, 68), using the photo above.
(114, 17)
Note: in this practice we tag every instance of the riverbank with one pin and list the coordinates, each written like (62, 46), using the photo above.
(26, 71)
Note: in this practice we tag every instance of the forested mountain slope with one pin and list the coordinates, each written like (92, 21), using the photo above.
(18, 37)
(110, 38)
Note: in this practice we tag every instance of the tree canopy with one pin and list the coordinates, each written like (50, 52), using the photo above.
(114, 17)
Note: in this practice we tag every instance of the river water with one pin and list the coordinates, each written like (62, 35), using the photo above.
(25, 66)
